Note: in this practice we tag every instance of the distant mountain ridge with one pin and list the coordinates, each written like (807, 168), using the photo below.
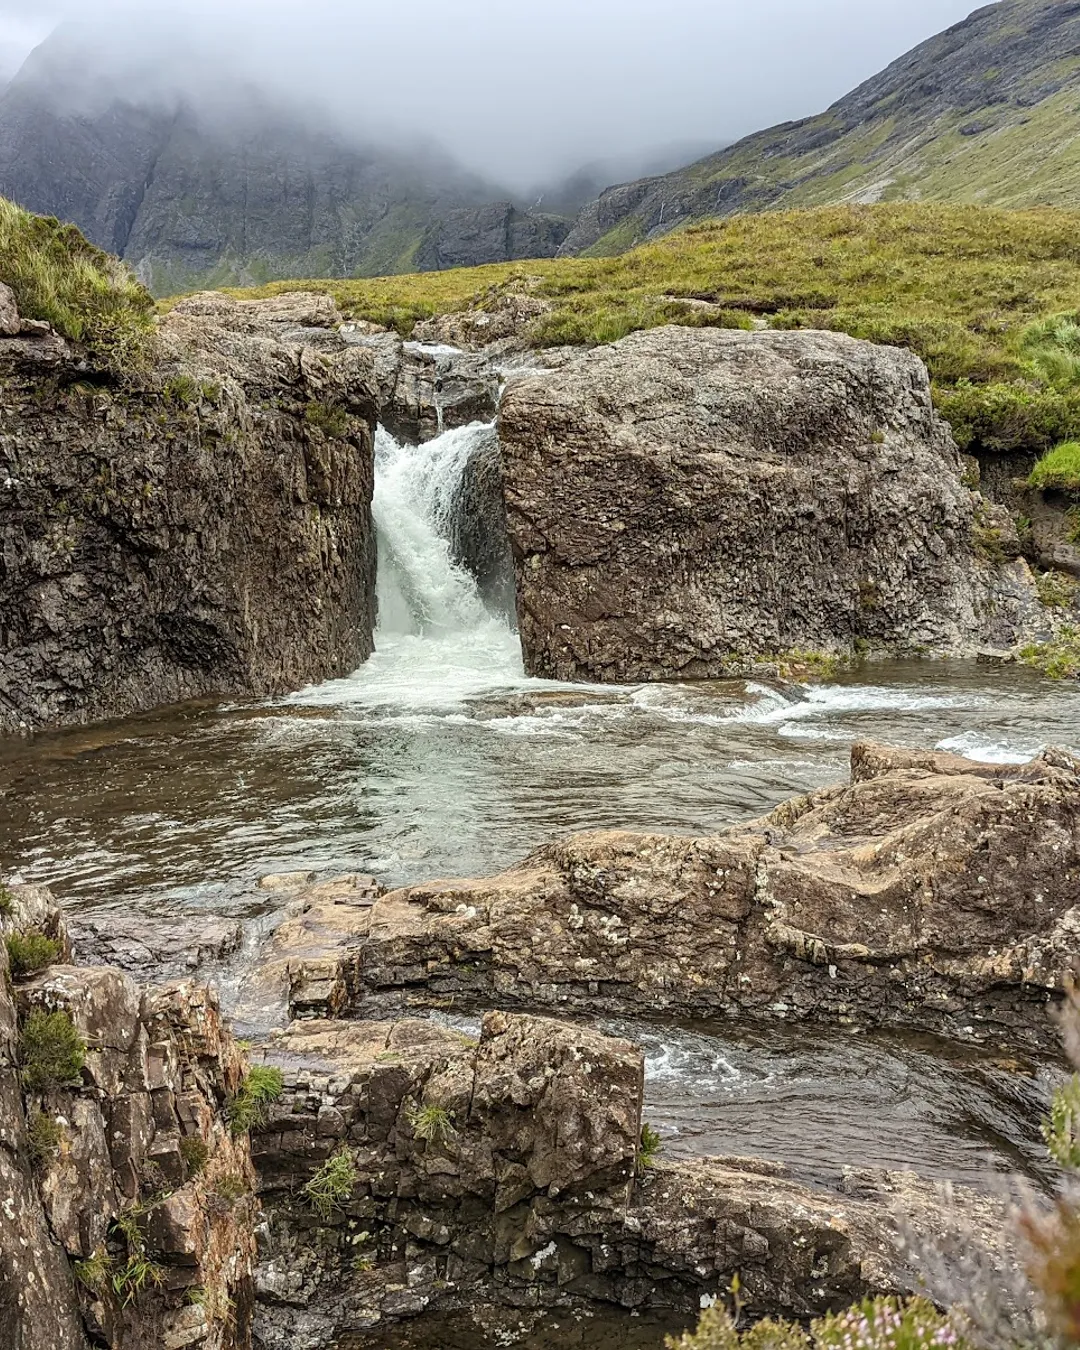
(988, 112)
(205, 196)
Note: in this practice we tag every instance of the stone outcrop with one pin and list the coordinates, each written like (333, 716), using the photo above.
(928, 893)
(697, 502)
(478, 535)
(495, 232)
(201, 528)
(506, 1171)
(128, 1220)
(425, 389)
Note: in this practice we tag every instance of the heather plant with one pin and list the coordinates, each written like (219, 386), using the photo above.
(31, 952)
(51, 1051)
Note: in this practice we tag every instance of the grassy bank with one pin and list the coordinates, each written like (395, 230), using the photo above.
(969, 288)
(87, 295)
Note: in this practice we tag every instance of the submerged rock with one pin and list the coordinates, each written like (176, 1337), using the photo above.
(199, 529)
(930, 893)
(690, 502)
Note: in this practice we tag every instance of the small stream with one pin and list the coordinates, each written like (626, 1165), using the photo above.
(440, 758)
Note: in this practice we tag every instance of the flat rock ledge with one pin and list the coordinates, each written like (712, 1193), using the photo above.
(929, 892)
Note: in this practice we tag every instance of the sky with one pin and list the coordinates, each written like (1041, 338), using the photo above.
(520, 90)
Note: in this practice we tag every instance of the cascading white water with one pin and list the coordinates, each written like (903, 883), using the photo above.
(436, 640)
(421, 589)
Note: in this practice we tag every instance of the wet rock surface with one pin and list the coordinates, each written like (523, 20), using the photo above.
(929, 893)
(161, 533)
(687, 502)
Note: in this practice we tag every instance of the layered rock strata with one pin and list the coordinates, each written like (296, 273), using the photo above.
(201, 528)
(695, 502)
(929, 893)
(507, 1172)
(128, 1219)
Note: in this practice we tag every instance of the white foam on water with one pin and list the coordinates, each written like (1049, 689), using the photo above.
(984, 749)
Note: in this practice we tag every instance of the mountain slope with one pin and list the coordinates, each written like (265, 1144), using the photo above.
(988, 111)
(236, 189)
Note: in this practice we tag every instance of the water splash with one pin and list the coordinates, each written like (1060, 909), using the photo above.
(421, 590)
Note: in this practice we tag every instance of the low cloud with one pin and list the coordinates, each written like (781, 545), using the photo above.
(520, 91)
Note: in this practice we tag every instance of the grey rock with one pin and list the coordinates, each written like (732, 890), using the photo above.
(10, 323)
(691, 502)
(189, 532)
(495, 232)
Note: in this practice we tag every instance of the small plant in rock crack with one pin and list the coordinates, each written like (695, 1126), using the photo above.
(44, 1135)
(649, 1149)
(94, 1273)
(432, 1124)
(140, 1270)
(248, 1109)
(332, 1185)
(30, 952)
(51, 1051)
(195, 1153)
(7, 902)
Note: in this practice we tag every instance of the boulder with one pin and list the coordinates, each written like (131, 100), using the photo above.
(930, 893)
(506, 1172)
(694, 502)
(200, 528)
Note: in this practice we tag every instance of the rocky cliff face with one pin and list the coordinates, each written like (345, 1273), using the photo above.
(199, 528)
(128, 1221)
(694, 501)
(984, 112)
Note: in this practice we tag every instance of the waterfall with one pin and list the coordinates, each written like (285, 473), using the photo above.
(421, 589)
(436, 637)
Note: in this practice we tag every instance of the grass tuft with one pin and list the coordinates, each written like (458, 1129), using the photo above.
(51, 1051)
(649, 1149)
(332, 1185)
(87, 295)
(248, 1109)
(44, 1136)
(432, 1124)
(1060, 469)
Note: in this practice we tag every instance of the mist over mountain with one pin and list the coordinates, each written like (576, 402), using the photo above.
(987, 111)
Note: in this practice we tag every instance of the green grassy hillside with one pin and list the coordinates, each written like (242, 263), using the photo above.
(987, 112)
(58, 277)
(977, 292)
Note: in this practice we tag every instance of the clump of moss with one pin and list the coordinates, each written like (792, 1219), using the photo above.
(1059, 658)
(230, 1187)
(195, 1153)
(248, 1109)
(331, 419)
(44, 1135)
(87, 295)
(332, 1185)
(1055, 589)
(1060, 468)
(31, 952)
(7, 902)
(51, 1051)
